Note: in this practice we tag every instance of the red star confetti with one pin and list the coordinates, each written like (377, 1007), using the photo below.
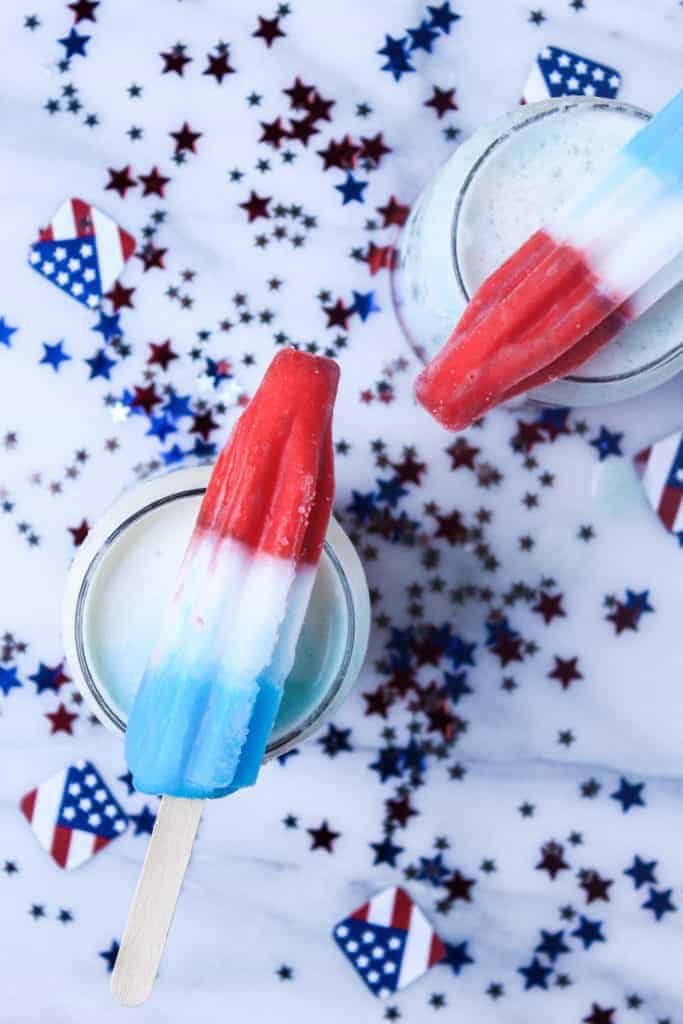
(269, 30)
(161, 354)
(120, 181)
(393, 213)
(84, 10)
(441, 101)
(120, 297)
(175, 60)
(218, 66)
(61, 720)
(380, 257)
(185, 139)
(80, 532)
(565, 671)
(256, 206)
(153, 183)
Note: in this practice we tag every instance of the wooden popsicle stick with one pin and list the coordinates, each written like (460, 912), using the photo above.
(153, 904)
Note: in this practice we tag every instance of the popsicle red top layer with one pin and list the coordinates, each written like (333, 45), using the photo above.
(276, 505)
(534, 308)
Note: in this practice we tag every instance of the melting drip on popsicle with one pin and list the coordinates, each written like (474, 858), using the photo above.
(204, 711)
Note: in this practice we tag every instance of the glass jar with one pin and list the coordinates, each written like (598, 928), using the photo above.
(486, 200)
(124, 573)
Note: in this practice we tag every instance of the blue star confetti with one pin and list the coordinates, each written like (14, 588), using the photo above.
(352, 191)
(629, 794)
(8, 679)
(54, 355)
(642, 871)
(109, 955)
(47, 678)
(6, 332)
(589, 932)
(143, 821)
(535, 974)
(100, 365)
(108, 326)
(398, 51)
(660, 903)
(75, 44)
(364, 304)
(607, 443)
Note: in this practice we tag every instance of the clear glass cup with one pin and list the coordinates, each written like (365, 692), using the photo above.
(486, 200)
(124, 572)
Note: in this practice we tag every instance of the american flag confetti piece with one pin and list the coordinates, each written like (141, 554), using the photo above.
(82, 251)
(389, 942)
(558, 72)
(660, 468)
(74, 814)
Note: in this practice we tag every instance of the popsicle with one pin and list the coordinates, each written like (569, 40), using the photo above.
(580, 268)
(647, 296)
(205, 708)
(207, 702)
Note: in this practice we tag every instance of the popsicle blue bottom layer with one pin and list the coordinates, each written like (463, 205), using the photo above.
(211, 742)
(207, 703)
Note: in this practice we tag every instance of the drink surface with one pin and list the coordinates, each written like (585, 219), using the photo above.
(527, 177)
(130, 592)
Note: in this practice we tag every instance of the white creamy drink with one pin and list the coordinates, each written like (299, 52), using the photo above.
(131, 590)
(126, 571)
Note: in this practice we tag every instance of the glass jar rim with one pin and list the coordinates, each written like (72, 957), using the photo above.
(561, 106)
(283, 743)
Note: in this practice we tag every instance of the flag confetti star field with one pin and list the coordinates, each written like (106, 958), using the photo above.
(488, 827)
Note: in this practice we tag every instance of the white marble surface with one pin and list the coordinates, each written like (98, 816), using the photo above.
(256, 896)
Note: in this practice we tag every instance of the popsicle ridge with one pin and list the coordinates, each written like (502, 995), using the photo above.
(295, 397)
(505, 343)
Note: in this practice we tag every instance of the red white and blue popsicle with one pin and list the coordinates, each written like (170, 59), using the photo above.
(204, 711)
(613, 250)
